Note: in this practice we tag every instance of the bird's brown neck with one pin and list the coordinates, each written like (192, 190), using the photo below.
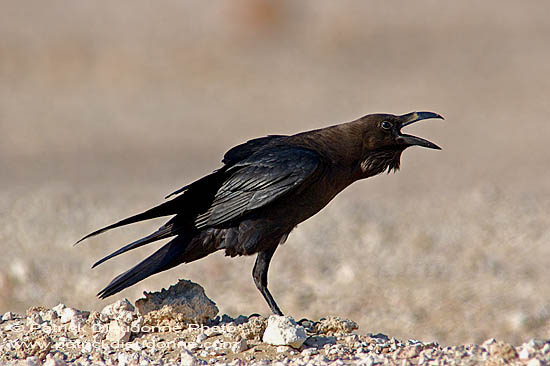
(340, 144)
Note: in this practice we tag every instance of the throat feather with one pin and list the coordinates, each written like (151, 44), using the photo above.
(379, 161)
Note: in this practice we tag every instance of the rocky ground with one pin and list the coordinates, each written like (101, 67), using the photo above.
(163, 332)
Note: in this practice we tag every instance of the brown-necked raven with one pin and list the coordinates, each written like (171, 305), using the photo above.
(265, 188)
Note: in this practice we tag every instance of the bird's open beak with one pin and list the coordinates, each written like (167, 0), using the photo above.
(411, 118)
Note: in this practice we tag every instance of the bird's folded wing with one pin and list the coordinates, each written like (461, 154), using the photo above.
(231, 157)
(244, 151)
(259, 180)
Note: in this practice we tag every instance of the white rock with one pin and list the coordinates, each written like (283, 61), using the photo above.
(239, 346)
(135, 346)
(113, 310)
(51, 361)
(309, 352)
(188, 359)
(87, 347)
(137, 323)
(118, 332)
(67, 315)
(145, 361)
(32, 361)
(193, 346)
(282, 349)
(185, 299)
(201, 337)
(123, 359)
(283, 331)
(33, 319)
(76, 323)
(487, 344)
(525, 353)
(213, 332)
(8, 316)
(125, 316)
(49, 315)
(58, 309)
(533, 362)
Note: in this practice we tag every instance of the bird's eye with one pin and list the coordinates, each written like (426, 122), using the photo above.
(386, 125)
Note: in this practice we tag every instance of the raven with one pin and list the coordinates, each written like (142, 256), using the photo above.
(265, 188)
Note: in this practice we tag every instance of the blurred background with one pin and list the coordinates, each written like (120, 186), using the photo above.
(106, 107)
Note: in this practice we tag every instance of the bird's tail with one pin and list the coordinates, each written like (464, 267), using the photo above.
(165, 231)
(194, 197)
(170, 255)
(164, 209)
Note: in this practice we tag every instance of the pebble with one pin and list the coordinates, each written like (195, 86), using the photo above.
(49, 315)
(7, 316)
(52, 361)
(34, 319)
(239, 346)
(58, 309)
(137, 323)
(212, 333)
(123, 359)
(87, 347)
(188, 359)
(32, 361)
(536, 343)
(192, 346)
(135, 346)
(201, 337)
(525, 353)
(310, 352)
(204, 353)
(67, 315)
(114, 310)
(118, 332)
(283, 331)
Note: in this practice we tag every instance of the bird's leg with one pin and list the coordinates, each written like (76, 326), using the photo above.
(259, 273)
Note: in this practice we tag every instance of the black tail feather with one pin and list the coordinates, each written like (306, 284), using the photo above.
(202, 190)
(164, 209)
(164, 231)
(204, 181)
(170, 255)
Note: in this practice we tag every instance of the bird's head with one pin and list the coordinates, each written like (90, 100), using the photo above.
(383, 141)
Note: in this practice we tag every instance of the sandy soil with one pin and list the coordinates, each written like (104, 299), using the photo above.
(104, 109)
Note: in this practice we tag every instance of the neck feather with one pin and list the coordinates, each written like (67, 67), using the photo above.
(379, 161)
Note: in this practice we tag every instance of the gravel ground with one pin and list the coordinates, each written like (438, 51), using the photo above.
(119, 336)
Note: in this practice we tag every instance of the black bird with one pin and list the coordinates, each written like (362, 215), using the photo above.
(265, 188)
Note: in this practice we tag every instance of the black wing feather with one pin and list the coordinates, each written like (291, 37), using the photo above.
(259, 180)
(244, 151)
(231, 157)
